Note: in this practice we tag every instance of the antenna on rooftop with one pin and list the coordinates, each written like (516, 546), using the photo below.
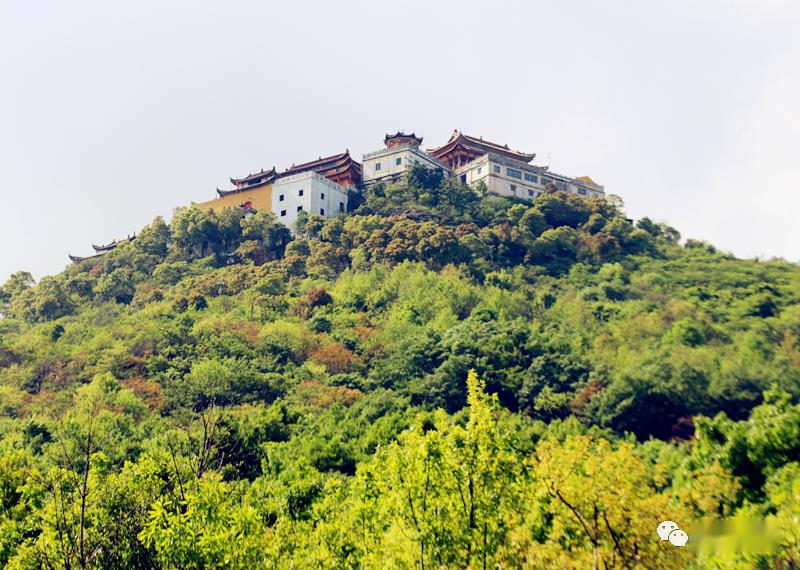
(549, 156)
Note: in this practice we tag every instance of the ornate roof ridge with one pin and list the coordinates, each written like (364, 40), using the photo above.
(319, 161)
(78, 259)
(113, 244)
(403, 135)
(270, 172)
(468, 140)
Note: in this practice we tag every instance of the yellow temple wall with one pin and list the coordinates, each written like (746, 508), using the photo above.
(260, 198)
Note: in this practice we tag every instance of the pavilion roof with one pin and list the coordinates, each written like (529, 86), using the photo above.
(327, 166)
(113, 244)
(236, 190)
(402, 135)
(478, 144)
(268, 175)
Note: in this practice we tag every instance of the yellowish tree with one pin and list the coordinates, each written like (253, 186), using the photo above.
(433, 499)
(604, 508)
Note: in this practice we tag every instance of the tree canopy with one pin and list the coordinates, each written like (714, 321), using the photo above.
(438, 379)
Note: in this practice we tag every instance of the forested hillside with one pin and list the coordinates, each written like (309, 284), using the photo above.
(439, 379)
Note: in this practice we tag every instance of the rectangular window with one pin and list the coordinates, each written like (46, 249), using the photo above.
(582, 191)
(283, 212)
(561, 186)
(341, 206)
(514, 188)
(479, 169)
(300, 192)
(398, 161)
(531, 194)
(497, 169)
(377, 166)
(280, 198)
(544, 181)
(531, 178)
(322, 195)
(322, 211)
(514, 173)
(299, 208)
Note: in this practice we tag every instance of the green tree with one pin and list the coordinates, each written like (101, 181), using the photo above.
(46, 301)
(117, 286)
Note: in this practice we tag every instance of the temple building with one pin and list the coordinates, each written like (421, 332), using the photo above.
(339, 168)
(506, 172)
(309, 192)
(252, 191)
(462, 149)
(321, 186)
(391, 163)
(511, 178)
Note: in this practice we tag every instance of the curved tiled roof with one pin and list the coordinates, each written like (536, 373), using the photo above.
(113, 244)
(268, 175)
(222, 193)
(327, 167)
(402, 135)
(478, 144)
(321, 164)
(76, 259)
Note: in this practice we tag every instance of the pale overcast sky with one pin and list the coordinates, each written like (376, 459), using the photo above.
(112, 113)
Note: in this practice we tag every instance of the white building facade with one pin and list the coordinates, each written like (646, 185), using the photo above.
(307, 192)
(511, 178)
(393, 162)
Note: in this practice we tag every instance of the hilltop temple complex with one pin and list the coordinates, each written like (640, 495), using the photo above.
(324, 186)
(472, 160)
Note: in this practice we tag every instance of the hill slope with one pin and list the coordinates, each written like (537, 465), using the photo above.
(216, 393)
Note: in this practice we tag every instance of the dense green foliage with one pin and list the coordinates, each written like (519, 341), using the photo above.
(219, 394)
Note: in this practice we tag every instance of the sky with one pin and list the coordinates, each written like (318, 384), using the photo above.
(113, 113)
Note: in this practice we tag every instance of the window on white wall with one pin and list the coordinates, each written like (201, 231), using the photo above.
(283, 213)
(280, 198)
(514, 188)
(398, 161)
(341, 206)
(322, 195)
(322, 211)
(377, 166)
(300, 192)
(479, 169)
(497, 169)
(299, 208)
